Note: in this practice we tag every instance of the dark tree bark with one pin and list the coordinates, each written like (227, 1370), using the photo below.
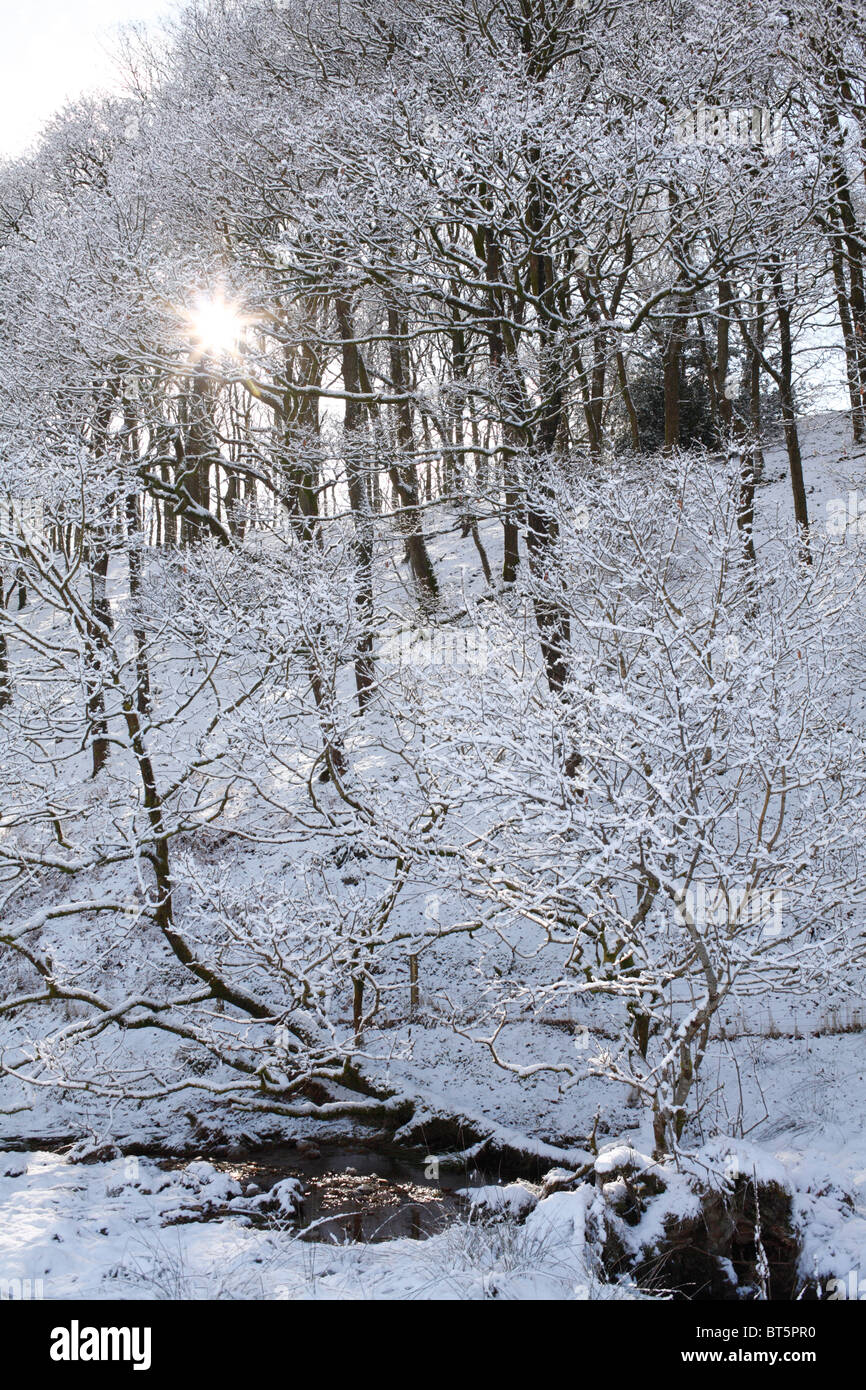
(359, 501)
(403, 473)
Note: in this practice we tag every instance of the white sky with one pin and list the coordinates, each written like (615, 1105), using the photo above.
(51, 50)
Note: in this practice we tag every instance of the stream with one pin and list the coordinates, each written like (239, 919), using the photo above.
(357, 1194)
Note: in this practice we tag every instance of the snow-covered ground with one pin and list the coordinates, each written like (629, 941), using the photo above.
(131, 1228)
(108, 1230)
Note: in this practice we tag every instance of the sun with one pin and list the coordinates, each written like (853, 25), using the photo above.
(216, 325)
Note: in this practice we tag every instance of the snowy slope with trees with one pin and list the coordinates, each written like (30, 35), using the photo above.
(431, 658)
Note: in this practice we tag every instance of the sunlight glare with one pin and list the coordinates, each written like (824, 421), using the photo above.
(216, 325)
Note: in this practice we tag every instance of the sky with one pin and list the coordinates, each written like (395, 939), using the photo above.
(56, 49)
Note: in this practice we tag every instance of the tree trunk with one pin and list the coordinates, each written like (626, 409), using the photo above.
(789, 412)
(403, 475)
(359, 502)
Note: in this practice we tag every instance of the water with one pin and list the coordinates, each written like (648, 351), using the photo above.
(360, 1194)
